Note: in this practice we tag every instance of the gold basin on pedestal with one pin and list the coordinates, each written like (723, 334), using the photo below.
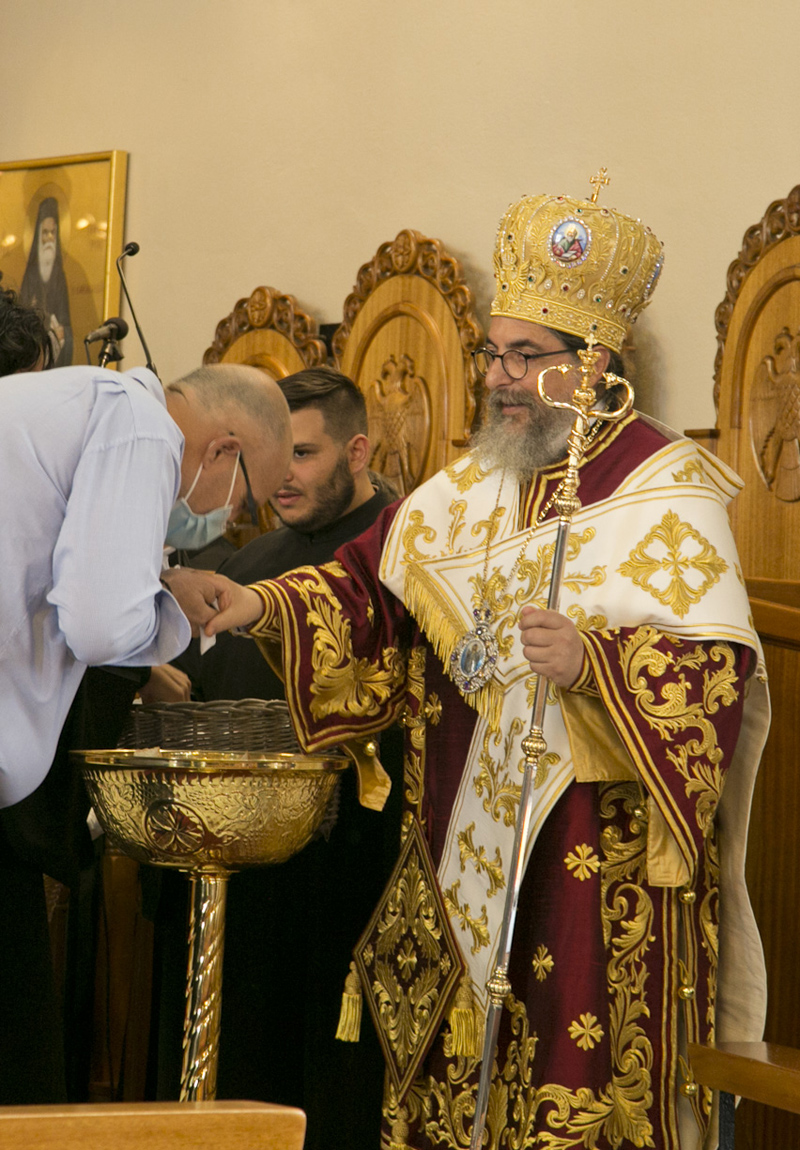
(209, 811)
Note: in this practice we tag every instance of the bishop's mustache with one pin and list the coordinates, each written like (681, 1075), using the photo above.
(511, 397)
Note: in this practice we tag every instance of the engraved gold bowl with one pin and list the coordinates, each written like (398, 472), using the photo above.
(209, 811)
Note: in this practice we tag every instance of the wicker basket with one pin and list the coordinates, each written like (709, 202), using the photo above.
(261, 725)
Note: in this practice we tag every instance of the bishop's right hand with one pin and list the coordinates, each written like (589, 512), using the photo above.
(238, 606)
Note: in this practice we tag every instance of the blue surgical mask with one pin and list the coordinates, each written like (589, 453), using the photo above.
(189, 531)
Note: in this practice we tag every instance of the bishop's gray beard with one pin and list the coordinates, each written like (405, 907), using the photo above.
(521, 446)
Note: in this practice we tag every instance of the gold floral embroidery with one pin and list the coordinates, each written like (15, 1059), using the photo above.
(587, 1033)
(521, 1115)
(488, 527)
(533, 574)
(406, 959)
(583, 863)
(310, 582)
(458, 511)
(697, 759)
(679, 551)
(469, 853)
(584, 622)
(542, 962)
(445, 1109)
(335, 569)
(416, 527)
(546, 761)
(693, 468)
(465, 472)
(427, 711)
(341, 683)
(494, 779)
(403, 967)
(477, 927)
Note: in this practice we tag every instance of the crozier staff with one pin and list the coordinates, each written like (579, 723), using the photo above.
(634, 932)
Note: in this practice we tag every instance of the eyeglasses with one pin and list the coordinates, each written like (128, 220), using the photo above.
(252, 506)
(515, 363)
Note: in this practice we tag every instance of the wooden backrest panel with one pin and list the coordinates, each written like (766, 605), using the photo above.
(409, 327)
(268, 330)
(759, 413)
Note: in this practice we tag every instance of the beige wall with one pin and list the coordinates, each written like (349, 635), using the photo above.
(280, 141)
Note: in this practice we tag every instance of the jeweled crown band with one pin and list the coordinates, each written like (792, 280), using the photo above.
(575, 266)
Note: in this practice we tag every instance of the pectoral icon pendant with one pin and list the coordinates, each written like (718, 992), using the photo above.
(474, 657)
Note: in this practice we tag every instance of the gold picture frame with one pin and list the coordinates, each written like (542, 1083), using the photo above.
(65, 268)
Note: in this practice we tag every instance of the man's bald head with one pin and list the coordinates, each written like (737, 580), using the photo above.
(225, 410)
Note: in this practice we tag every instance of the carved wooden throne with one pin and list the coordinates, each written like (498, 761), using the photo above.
(408, 329)
(757, 394)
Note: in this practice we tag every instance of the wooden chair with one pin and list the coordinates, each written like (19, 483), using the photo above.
(153, 1126)
(408, 329)
(757, 394)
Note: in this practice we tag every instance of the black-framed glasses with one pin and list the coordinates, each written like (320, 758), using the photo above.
(515, 363)
(252, 506)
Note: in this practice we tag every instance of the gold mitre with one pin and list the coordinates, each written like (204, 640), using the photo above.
(575, 266)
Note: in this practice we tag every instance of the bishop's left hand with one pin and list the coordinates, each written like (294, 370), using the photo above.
(552, 645)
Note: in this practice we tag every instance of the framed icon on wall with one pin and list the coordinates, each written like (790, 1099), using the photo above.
(61, 228)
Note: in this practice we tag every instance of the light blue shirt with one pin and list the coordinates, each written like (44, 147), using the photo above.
(89, 470)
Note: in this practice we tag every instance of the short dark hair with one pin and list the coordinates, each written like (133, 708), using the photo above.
(343, 407)
(24, 338)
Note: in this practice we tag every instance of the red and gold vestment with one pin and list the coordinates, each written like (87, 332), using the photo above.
(634, 882)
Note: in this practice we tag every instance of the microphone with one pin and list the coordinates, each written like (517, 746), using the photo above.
(131, 249)
(114, 328)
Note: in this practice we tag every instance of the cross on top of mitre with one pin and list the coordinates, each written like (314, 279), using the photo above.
(599, 181)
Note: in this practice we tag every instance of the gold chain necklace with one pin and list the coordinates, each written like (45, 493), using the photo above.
(475, 655)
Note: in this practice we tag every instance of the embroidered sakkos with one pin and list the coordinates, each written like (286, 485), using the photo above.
(615, 956)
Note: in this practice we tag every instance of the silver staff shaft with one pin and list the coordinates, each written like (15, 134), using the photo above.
(534, 745)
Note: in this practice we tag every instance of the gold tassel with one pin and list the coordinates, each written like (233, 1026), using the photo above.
(466, 1029)
(349, 1028)
(400, 1131)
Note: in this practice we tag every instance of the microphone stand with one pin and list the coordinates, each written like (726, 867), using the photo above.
(131, 249)
(534, 745)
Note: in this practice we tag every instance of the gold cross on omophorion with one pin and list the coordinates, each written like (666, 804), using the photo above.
(598, 182)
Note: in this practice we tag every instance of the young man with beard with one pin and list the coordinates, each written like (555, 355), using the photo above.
(290, 929)
(634, 932)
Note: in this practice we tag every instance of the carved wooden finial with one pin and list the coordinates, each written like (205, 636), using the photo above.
(600, 180)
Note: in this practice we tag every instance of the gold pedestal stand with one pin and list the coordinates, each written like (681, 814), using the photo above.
(209, 814)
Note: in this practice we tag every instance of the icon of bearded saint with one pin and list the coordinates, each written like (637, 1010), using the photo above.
(44, 285)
